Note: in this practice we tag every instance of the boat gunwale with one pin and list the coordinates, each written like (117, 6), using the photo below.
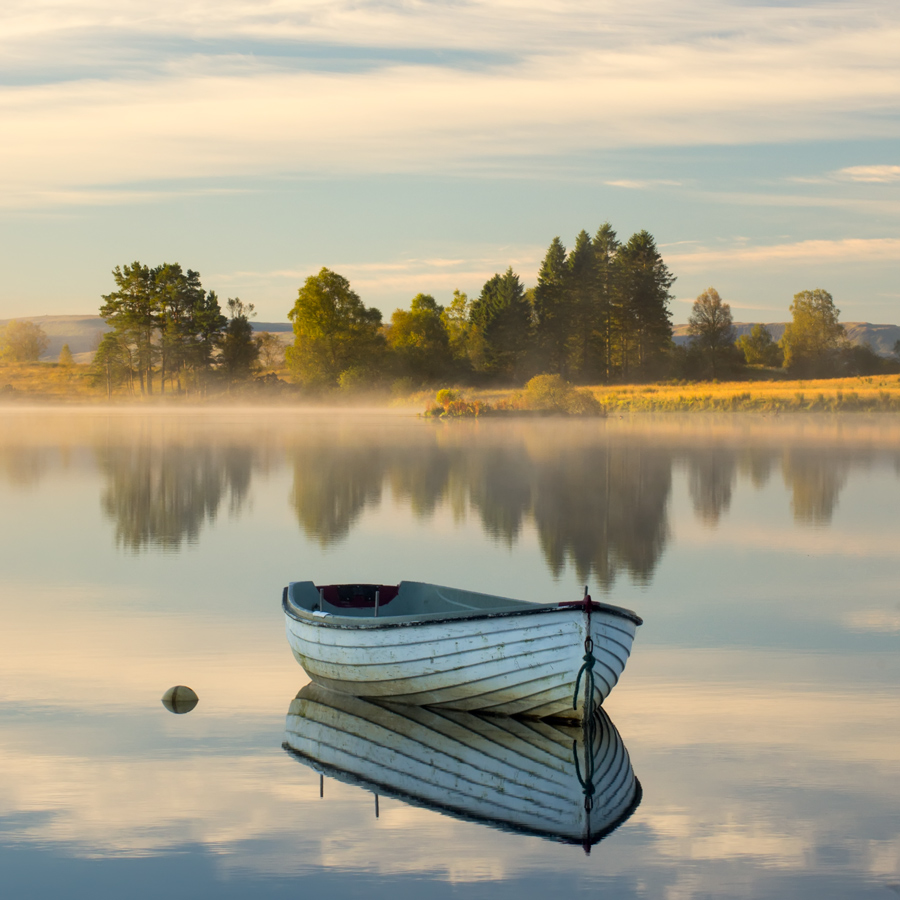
(347, 777)
(307, 617)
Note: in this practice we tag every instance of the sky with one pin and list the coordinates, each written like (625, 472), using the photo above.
(421, 146)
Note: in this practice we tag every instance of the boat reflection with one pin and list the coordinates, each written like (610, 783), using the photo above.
(569, 783)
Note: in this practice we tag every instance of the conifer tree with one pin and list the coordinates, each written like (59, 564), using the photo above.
(132, 312)
(552, 310)
(584, 353)
(66, 360)
(239, 352)
(644, 326)
(606, 246)
(178, 295)
(502, 316)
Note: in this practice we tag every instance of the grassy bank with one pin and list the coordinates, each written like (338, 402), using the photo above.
(867, 394)
(50, 382)
(47, 381)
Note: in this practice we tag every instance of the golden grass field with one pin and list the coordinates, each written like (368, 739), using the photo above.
(47, 381)
(878, 393)
(872, 393)
(50, 382)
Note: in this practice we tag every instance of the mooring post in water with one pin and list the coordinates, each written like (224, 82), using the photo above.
(321, 599)
(376, 806)
(321, 785)
(377, 598)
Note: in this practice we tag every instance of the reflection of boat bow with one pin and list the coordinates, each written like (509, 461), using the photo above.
(527, 776)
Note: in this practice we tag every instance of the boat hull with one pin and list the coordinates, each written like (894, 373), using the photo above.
(565, 783)
(521, 663)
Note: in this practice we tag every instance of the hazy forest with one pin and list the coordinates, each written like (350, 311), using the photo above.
(598, 315)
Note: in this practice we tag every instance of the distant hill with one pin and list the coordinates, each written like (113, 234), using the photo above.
(882, 338)
(83, 333)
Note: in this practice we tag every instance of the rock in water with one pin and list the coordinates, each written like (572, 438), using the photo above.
(179, 699)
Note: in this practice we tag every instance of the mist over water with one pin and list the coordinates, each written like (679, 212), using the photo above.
(145, 550)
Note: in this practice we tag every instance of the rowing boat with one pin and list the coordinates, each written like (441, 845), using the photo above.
(428, 645)
(553, 780)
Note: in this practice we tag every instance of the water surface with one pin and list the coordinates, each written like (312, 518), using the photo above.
(143, 550)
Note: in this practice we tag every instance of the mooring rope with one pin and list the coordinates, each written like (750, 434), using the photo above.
(587, 669)
(587, 666)
(589, 733)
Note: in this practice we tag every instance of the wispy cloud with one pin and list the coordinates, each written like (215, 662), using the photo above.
(391, 283)
(229, 89)
(847, 250)
(870, 174)
(641, 185)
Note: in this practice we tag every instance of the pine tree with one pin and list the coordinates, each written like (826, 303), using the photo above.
(502, 316)
(584, 354)
(644, 327)
(239, 352)
(552, 313)
(606, 246)
(132, 311)
(66, 360)
(177, 295)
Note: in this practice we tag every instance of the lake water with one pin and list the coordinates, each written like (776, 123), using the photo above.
(760, 706)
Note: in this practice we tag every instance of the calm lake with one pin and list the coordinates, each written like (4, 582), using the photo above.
(759, 708)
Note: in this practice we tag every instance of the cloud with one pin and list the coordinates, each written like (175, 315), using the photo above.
(642, 185)
(846, 250)
(394, 281)
(870, 174)
(237, 89)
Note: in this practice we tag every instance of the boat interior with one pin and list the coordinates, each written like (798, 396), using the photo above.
(409, 598)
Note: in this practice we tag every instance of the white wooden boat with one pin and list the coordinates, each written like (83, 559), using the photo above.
(570, 783)
(428, 645)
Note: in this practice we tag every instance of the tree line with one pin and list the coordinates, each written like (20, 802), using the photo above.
(168, 331)
(814, 344)
(597, 313)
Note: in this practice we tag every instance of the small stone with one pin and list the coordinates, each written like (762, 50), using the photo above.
(179, 699)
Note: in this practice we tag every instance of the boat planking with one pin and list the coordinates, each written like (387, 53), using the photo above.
(566, 783)
(430, 645)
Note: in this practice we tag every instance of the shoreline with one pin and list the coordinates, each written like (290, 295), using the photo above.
(43, 387)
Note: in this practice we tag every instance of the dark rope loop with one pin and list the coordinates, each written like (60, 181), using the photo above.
(589, 730)
(587, 669)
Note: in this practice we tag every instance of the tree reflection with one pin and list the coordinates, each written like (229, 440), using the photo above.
(816, 479)
(160, 495)
(711, 477)
(499, 481)
(421, 480)
(25, 467)
(333, 484)
(604, 510)
(756, 463)
(601, 509)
